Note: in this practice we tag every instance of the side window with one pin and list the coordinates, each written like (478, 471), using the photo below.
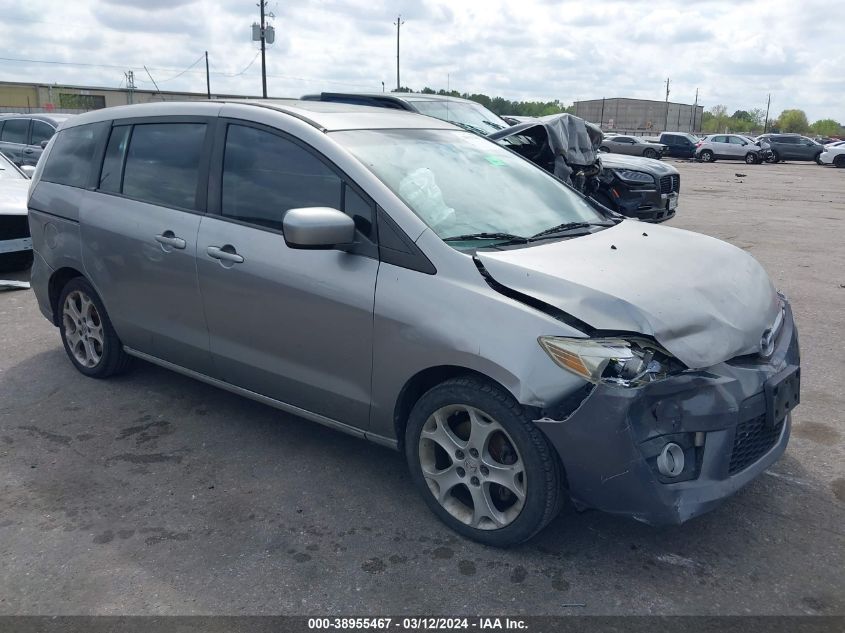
(15, 131)
(41, 131)
(71, 158)
(265, 175)
(111, 176)
(163, 163)
(720, 139)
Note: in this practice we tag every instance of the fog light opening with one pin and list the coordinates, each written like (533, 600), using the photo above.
(670, 462)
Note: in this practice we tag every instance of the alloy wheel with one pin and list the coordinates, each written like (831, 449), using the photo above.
(83, 329)
(472, 467)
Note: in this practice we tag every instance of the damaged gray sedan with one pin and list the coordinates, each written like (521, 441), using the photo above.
(409, 282)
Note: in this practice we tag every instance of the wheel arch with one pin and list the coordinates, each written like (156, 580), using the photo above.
(420, 383)
(59, 280)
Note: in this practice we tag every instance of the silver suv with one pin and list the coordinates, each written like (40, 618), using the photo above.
(401, 279)
(729, 147)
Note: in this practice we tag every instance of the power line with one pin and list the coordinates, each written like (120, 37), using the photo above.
(188, 70)
(161, 81)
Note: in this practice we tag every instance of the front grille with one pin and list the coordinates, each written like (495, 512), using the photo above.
(13, 227)
(669, 184)
(754, 438)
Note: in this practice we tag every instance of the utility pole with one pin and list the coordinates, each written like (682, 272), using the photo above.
(207, 77)
(262, 4)
(692, 116)
(130, 86)
(666, 123)
(399, 22)
(768, 104)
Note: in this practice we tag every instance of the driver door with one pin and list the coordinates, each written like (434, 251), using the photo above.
(291, 324)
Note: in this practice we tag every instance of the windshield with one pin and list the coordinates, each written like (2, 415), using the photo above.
(8, 171)
(461, 184)
(472, 116)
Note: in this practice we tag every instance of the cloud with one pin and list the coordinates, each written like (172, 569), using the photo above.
(734, 52)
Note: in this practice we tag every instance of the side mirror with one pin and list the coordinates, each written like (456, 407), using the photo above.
(44, 143)
(318, 228)
(29, 170)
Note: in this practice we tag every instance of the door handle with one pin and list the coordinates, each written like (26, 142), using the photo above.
(225, 253)
(168, 238)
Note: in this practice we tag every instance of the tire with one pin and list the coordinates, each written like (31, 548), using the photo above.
(818, 159)
(649, 153)
(775, 157)
(707, 156)
(604, 148)
(14, 262)
(459, 428)
(839, 161)
(87, 333)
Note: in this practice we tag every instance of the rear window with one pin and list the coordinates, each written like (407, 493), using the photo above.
(163, 163)
(72, 155)
(15, 131)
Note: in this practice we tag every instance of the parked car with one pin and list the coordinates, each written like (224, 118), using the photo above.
(15, 243)
(294, 253)
(833, 155)
(679, 144)
(633, 146)
(729, 147)
(642, 194)
(24, 136)
(792, 147)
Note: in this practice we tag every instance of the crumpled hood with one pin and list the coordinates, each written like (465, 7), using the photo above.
(704, 300)
(13, 197)
(650, 165)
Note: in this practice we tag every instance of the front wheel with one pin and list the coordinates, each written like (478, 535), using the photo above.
(839, 161)
(751, 158)
(649, 153)
(481, 464)
(87, 333)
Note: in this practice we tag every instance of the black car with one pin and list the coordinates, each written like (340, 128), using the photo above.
(679, 144)
(636, 187)
(792, 147)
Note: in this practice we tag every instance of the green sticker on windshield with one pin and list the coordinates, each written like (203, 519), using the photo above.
(495, 160)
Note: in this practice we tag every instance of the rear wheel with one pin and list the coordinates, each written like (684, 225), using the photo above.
(649, 153)
(707, 156)
(481, 464)
(87, 333)
(818, 159)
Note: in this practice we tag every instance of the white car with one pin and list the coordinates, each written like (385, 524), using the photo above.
(15, 242)
(833, 155)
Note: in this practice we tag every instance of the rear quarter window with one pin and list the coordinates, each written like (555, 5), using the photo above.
(71, 159)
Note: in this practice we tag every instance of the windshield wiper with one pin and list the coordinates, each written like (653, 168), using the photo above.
(469, 128)
(562, 228)
(494, 125)
(508, 237)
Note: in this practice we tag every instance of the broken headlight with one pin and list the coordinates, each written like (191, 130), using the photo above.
(616, 361)
(634, 177)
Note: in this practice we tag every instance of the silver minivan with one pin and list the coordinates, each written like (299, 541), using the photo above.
(411, 283)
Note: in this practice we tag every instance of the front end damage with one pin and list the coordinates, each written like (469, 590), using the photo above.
(673, 449)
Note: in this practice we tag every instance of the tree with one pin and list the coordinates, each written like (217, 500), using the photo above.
(742, 115)
(715, 119)
(793, 121)
(826, 127)
(758, 117)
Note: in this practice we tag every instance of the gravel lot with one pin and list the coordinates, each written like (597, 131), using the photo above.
(156, 494)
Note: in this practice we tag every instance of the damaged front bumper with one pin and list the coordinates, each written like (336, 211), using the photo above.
(730, 420)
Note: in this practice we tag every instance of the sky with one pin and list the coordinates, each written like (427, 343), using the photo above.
(735, 52)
